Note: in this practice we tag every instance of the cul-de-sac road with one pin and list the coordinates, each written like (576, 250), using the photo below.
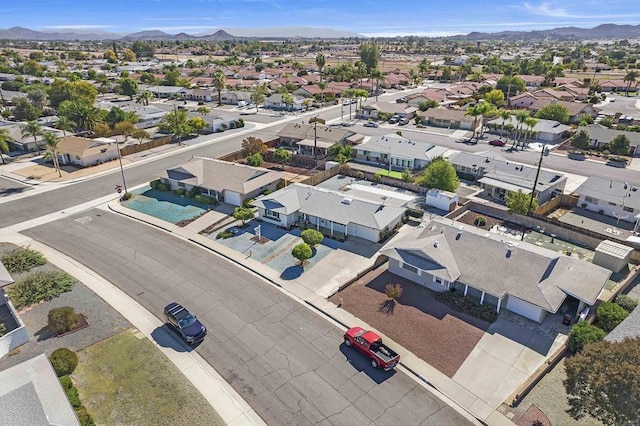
(285, 360)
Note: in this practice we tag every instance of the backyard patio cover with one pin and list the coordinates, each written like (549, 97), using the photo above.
(504, 185)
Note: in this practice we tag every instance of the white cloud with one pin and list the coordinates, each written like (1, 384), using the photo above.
(545, 9)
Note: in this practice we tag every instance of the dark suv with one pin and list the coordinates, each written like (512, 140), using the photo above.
(184, 323)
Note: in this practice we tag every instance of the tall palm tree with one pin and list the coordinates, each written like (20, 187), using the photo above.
(630, 78)
(530, 123)
(52, 141)
(34, 129)
(144, 97)
(219, 82)
(287, 99)
(521, 118)
(257, 98)
(475, 111)
(486, 110)
(504, 115)
(322, 85)
(4, 143)
(65, 124)
(320, 62)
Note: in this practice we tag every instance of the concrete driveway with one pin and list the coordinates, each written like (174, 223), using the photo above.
(510, 351)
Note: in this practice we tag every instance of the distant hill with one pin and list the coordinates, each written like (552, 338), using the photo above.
(604, 31)
(20, 33)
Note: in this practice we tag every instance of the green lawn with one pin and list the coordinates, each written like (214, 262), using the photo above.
(124, 380)
(392, 174)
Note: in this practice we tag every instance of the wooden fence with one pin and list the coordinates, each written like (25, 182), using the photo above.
(154, 143)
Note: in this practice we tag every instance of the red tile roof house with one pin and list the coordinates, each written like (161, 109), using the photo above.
(437, 95)
(402, 110)
(557, 94)
(312, 91)
(617, 85)
(450, 118)
(532, 80)
(523, 100)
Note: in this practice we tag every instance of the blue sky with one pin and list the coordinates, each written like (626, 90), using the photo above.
(368, 17)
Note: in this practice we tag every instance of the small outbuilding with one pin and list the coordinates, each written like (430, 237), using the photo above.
(443, 200)
(613, 256)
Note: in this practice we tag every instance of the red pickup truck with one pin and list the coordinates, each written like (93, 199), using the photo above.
(370, 344)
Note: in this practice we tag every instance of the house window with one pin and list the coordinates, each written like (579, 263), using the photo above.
(271, 214)
(591, 200)
(410, 268)
(437, 280)
(612, 204)
(628, 209)
(77, 157)
(181, 184)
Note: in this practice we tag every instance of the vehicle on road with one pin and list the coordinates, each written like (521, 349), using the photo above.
(184, 323)
(394, 119)
(370, 344)
(401, 100)
(370, 124)
(497, 142)
(403, 121)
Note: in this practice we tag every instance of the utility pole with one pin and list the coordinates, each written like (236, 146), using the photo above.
(535, 183)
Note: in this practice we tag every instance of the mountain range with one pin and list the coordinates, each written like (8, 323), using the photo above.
(20, 33)
(604, 31)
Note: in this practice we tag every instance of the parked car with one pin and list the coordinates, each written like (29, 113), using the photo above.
(401, 100)
(394, 119)
(184, 323)
(403, 121)
(370, 344)
(617, 162)
(370, 124)
(497, 142)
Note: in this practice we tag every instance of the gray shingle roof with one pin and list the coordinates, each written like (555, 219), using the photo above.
(601, 134)
(31, 395)
(483, 261)
(610, 191)
(542, 126)
(220, 175)
(630, 328)
(330, 205)
(401, 147)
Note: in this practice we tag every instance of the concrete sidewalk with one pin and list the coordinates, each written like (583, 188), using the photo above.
(223, 398)
(436, 380)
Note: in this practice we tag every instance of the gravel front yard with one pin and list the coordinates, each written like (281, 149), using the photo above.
(432, 331)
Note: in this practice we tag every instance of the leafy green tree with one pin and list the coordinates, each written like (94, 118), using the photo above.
(556, 112)
(4, 143)
(176, 123)
(219, 82)
(143, 49)
(312, 237)
(140, 135)
(440, 174)
(244, 214)
(253, 145)
(369, 55)
(37, 96)
(609, 315)
(196, 124)
(62, 90)
(255, 160)
(128, 55)
(52, 146)
(128, 87)
(125, 128)
(495, 97)
(511, 85)
(583, 333)
(85, 116)
(604, 381)
(110, 56)
(302, 252)
(257, 98)
(581, 140)
(282, 155)
(118, 115)
(407, 176)
(518, 202)
(287, 99)
(340, 150)
(25, 111)
(203, 110)
(425, 105)
(620, 145)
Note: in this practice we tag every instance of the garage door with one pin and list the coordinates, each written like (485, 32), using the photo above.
(523, 308)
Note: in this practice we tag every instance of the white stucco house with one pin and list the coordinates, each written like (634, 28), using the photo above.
(231, 183)
(86, 152)
(620, 200)
(523, 278)
(331, 212)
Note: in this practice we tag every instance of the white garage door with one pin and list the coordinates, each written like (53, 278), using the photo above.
(523, 308)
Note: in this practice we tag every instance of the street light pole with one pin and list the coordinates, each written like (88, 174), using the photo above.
(124, 182)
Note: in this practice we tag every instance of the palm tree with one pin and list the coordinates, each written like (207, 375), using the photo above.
(287, 99)
(34, 129)
(322, 85)
(65, 124)
(144, 97)
(474, 111)
(219, 82)
(320, 61)
(530, 122)
(52, 141)
(486, 109)
(504, 115)
(4, 143)
(630, 78)
(257, 98)
(521, 118)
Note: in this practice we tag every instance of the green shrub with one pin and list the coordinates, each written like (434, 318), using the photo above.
(377, 177)
(195, 190)
(163, 186)
(37, 286)
(466, 304)
(66, 382)
(154, 184)
(73, 397)
(581, 334)
(247, 203)
(480, 221)
(84, 417)
(393, 291)
(224, 235)
(64, 361)
(126, 196)
(627, 303)
(312, 237)
(181, 191)
(359, 175)
(255, 160)
(3, 329)
(609, 315)
(22, 259)
(415, 212)
(205, 199)
(70, 390)
(62, 320)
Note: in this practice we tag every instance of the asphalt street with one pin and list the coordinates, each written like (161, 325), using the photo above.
(285, 360)
(10, 187)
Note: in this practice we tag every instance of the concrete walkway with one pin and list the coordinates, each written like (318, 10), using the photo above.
(219, 213)
(313, 289)
(222, 397)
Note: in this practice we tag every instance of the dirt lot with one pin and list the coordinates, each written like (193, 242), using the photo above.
(433, 332)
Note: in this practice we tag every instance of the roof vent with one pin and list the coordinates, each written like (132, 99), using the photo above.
(347, 201)
(436, 244)
(460, 229)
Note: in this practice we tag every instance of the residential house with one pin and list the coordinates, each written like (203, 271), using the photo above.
(15, 333)
(232, 183)
(236, 97)
(275, 102)
(25, 143)
(531, 81)
(149, 116)
(617, 85)
(627, 329)
(576, 109)
(547, 131)
(620, 200)
(556, 94)
(313, 91)
(523, 100)
(30, 393)
(307, 136)
(86, 152)
(402, 110)
(497, 176)
(437, 95)
(396, 152)
(450, 118)
(523, 278)
(600, 135)
(331, 212)
(200, 95)
(164, 92)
